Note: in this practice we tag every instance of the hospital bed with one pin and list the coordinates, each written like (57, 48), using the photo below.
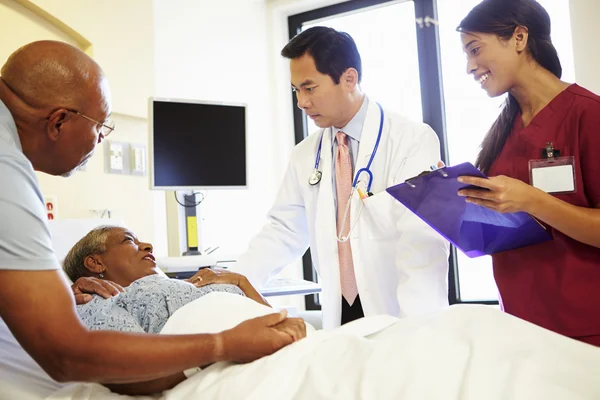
(465, 352)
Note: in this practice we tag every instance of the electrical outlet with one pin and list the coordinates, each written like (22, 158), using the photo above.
(117, 157)
(138, 159)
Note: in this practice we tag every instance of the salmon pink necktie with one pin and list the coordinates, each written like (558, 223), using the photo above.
(343, 185)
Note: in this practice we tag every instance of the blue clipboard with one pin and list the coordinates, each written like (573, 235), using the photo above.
(473, 229)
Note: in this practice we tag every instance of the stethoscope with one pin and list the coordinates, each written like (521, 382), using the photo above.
(315, 177)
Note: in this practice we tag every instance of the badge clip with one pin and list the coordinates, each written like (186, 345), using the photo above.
(549, 151)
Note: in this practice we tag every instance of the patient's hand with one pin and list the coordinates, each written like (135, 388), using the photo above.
(83, 288)
(259, 337)
(209, 276)
(295, 327)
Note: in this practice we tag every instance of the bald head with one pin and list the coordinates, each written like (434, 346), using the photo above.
(49, 73)
(59, 98)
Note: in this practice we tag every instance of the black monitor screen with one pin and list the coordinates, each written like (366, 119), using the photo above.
(198, 145)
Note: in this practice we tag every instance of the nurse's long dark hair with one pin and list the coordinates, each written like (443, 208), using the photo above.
(501, 18)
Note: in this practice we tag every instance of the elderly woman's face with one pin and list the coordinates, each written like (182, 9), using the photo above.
(126, 259)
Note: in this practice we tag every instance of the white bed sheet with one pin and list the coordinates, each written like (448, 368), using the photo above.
(466, 352)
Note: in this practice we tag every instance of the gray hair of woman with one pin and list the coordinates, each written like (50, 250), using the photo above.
(92, 243)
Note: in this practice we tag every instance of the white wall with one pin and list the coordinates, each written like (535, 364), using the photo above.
(222, 51)
(123, 44)
(122, 34)
(586, 48)
(13, 18)
(219, 51)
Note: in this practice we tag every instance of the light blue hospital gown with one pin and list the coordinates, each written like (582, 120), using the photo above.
(145, 305)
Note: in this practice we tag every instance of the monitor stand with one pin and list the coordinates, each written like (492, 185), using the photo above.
(191, 224)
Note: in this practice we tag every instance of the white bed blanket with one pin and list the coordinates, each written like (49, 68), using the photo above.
(465, 352)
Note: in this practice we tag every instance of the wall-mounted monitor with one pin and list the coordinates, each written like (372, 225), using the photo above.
(197, 145)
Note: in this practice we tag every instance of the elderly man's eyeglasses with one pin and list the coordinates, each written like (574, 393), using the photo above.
(106, 127)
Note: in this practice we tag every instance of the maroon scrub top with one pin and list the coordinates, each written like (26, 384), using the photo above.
(555, 284)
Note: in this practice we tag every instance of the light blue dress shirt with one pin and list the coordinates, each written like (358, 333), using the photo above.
(354, 130)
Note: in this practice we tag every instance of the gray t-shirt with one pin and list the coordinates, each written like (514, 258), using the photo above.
(25, 242)
(145, 305)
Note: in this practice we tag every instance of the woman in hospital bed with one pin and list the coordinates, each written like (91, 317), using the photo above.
(466, 352)
(115, 254)
(150, 298)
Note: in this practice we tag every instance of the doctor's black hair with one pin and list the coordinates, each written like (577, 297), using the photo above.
(333, 51)
(501, 18)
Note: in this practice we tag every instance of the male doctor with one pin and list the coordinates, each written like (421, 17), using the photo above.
(392, 263)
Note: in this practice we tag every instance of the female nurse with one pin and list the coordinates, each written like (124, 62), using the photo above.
(545, 127)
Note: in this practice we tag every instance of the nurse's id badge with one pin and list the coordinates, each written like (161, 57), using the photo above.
(552, 173)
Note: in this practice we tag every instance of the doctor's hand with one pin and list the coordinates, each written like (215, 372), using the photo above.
(257, 338)
(83, 288)
(503, 194)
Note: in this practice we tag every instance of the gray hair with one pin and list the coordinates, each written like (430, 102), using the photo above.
(92, 243)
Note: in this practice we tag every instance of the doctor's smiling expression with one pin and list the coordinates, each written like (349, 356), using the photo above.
(326, 102)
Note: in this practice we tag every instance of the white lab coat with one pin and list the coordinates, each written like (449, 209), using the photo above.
(400, 263)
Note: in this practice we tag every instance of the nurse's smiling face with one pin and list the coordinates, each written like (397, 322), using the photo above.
(324, 101)
(495, 63)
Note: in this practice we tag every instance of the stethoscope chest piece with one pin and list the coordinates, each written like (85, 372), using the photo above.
(315, 177)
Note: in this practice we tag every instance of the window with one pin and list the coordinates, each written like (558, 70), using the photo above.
(392, 56)
(470, 113)
(390, 77)
(413, 63)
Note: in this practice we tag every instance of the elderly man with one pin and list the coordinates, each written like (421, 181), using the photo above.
(54, 105)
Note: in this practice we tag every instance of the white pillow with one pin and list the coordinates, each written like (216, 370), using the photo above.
(216, 312)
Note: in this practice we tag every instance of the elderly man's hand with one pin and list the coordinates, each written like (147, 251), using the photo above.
(83, 288)
(260, 337)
